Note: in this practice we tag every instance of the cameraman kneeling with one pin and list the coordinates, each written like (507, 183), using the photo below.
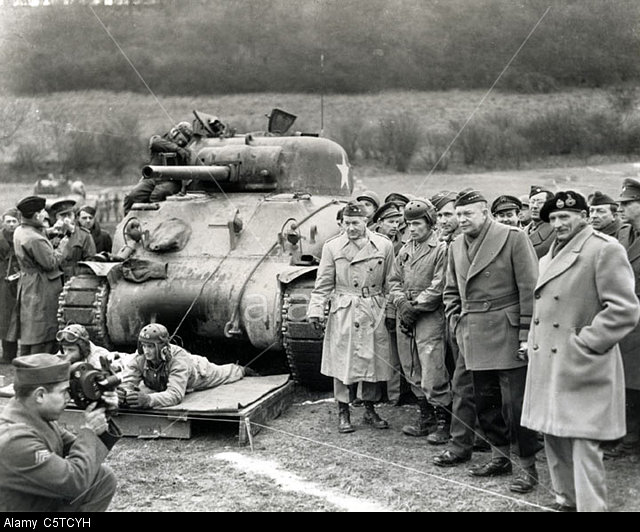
(43, 467)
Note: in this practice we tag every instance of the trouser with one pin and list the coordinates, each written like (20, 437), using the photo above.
(98, 497)
(148, 190)
(422, 355)
(365, 391)
(463, 419)
(633, 417)
(44, 347)
(394, 384)
(577, 472)
(9, 350)
(499, 395)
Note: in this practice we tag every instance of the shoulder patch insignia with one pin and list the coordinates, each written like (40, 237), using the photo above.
(42, 456)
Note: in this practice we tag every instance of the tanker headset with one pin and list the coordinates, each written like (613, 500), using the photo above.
(156, 373)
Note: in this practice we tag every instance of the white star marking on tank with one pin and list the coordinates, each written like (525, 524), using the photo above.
(344, 172)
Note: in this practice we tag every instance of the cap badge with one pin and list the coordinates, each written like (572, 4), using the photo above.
(560, 204)
(570, 201)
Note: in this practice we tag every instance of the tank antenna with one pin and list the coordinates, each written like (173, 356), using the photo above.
(322, 95)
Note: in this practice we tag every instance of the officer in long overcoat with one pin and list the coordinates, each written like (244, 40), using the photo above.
(540, 232)
(353, 275)
(629, 237)
(584, 305)
(44, 467)
(40, 281)
(10, 273)
(488, 295)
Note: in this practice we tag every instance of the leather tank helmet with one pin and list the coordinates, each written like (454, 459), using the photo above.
(75, 334)
(156, 334)
(420, 208)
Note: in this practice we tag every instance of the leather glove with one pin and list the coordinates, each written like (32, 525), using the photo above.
(408, 313)
(390, 324)
(122, 396)
(138, 400)
(248, 372)
(316, 322)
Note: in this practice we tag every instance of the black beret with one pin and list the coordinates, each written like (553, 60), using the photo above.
(388, 210)
(440, 199)
(537, 189)
(41, 368)
(395, 197)
(602, 199)
(354, 208)
(563, 201)
(62, 206)
(88, 208)
(31, 205)
(505, 203)
(630, 190)
(468, 196)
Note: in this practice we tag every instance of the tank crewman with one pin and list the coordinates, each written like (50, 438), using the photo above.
(488, 297)
(525, 212)
(416, 285)
(161, 373)
(76, 346)
(352, 275)
(87, 220)
(169, 149)
(603, 214)
(9, 287)
(540, 233)
(371, 202)
(584, 304)
(463, 418)
(629, 237)
(81, 246)
(505, 209)
(44, 467)
(40, 281)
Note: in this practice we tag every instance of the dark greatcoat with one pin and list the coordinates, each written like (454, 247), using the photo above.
(584, 305)
(8, 289)
(630, 344)
(39, 286)
(101, 239)
(541, 236)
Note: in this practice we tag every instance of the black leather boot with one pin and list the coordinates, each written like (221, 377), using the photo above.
(372, 418)
(344, 419)
(426, 420)
(443, 427)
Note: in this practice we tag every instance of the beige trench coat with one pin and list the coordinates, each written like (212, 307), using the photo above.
(356, 341)
(584, 305)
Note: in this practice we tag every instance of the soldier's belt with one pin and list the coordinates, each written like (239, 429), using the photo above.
(365, 291)
(483, 305)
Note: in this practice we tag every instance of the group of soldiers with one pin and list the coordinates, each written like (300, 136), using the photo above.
(515, 323)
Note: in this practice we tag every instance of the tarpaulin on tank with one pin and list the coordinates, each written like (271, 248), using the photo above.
(140, 270)
(169, 235)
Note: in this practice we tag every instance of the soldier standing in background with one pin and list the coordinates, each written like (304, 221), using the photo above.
(603, 217)
(353, 275)
(525, 212)
(87, 220)
(40, 279)
(416, 283)
(371, 203)
(540, 233)
(505, 210)
(9, 287)
(80, 246)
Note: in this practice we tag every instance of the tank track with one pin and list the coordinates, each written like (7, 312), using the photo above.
(84, 300)
(302, 343)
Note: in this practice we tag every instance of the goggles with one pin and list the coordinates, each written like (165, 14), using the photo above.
(68, 337)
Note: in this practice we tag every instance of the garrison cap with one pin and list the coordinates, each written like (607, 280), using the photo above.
(371, 196)
(563, 201)
(420, 208)
(630, 190)
(62, 206)
(41, 368)
(440, 199)
(388, 210)
(89, 209)
(602, 199)
(11, 212)
(537, 189)
(468, 196)
(505, 203)
(31, 205)
(524, 199)
(354, 208)
(397, 198)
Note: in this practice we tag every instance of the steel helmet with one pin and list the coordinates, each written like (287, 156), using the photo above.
(72, 334)
(420, 208)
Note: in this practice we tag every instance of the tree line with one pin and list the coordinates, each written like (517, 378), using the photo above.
(334, 46)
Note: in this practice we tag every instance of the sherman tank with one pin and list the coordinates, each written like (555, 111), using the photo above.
(231, 259)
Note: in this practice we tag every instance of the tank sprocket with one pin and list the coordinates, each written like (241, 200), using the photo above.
(84, 301)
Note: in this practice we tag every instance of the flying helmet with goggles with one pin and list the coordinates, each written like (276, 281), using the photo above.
(73, 334)
(181, 133)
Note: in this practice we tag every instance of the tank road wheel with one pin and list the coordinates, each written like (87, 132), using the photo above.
(302, 343)
(84, 300)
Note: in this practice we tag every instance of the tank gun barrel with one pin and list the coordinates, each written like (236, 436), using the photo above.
(178, 173)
